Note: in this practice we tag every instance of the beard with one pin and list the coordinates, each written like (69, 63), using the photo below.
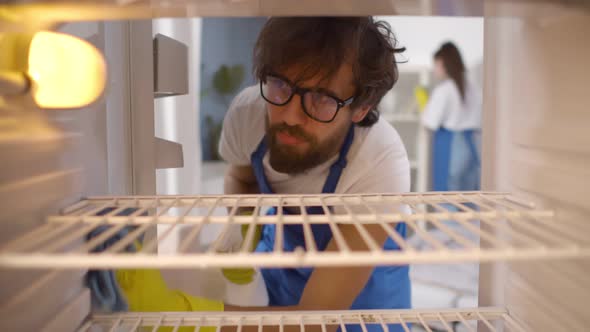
(288, 159)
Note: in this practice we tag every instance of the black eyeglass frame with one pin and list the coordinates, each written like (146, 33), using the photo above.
(301, 92)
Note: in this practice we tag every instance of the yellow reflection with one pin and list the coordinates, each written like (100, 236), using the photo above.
(67, 72)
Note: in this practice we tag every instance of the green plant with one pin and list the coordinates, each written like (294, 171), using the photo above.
(225, 82)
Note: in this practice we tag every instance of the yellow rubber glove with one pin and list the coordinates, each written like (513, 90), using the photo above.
(421, 96)
(244, 276)
(146, 290)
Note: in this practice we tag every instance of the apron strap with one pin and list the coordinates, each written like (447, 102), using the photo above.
(337, 167)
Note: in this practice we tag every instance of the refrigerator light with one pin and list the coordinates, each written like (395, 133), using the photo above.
(66, 72)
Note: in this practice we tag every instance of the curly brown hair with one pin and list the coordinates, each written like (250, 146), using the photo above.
(320, 45)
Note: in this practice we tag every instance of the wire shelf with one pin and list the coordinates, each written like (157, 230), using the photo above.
(496, 319)
(447, 224)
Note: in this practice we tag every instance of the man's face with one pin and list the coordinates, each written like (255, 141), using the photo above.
(297, 142)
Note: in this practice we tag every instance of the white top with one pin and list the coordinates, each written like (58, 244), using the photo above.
(446, 109)
(377, 159)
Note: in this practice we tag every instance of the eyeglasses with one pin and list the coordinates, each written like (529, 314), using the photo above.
(318, 105)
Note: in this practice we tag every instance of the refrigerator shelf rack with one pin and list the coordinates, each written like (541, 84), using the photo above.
(444, 319)
(446, 224)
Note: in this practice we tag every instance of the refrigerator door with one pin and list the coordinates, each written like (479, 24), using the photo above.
(536, 139)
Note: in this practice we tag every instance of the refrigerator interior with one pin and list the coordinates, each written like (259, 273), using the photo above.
(59, 168)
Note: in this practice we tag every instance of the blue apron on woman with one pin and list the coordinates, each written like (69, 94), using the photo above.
(388, 286)
(455, 164)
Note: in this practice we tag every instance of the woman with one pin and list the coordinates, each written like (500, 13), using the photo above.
(454, 114)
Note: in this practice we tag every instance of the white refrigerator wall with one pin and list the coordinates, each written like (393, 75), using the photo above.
(536, 144)
(177, 118)
(56, 158)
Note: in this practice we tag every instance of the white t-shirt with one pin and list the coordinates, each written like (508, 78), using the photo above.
(377, 161)
(446, 108)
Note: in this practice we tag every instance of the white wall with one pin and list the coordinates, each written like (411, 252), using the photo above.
(422, 36)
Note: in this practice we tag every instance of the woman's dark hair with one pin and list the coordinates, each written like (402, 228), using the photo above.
(320, 45)
(450, 56)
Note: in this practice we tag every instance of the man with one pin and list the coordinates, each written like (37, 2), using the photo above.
(311, 126)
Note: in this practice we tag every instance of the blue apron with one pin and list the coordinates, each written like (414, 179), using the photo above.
(388, 286)
(455, 162)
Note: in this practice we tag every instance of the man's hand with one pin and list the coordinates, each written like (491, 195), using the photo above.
(244, 276)
(241, 180)
(145, 290)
